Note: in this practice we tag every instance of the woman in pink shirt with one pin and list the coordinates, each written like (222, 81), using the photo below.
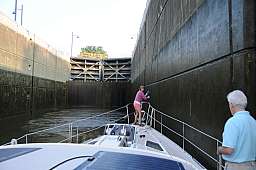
(137, 103)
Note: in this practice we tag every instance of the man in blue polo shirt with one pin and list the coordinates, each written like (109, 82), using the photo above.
(239, 137)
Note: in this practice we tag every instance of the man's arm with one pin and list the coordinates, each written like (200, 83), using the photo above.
(230, 137)
(225, 150)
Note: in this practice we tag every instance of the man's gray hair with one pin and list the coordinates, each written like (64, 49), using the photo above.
(237, 98)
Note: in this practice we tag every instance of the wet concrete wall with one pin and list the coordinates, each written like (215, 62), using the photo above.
(32, 73)
(98, 94)
(190, 54)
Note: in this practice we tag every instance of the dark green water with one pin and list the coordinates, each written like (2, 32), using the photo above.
(17, 127)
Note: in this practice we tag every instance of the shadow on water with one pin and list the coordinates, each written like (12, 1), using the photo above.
(16, 127)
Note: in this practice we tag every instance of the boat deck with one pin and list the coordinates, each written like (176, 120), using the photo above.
(83, 156)
(147, 138)
(119, 140)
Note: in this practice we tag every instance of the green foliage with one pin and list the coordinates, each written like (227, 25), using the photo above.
(94, 49)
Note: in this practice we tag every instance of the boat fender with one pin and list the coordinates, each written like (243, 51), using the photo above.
(14, 142)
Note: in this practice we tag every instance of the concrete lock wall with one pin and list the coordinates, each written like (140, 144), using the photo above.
(98, 94)
(190, 54)
(32, 73)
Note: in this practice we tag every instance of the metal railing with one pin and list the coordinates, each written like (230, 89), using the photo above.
(150, 119)
(75, 129)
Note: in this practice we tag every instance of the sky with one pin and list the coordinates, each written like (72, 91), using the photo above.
(112, 24)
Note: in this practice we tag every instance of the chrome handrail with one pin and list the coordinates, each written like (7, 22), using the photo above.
(70, 126)
(91, 130)
(151, 114)
(100, 114)
(151, 120)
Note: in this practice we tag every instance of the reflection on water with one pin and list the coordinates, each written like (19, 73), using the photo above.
(17, 127)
